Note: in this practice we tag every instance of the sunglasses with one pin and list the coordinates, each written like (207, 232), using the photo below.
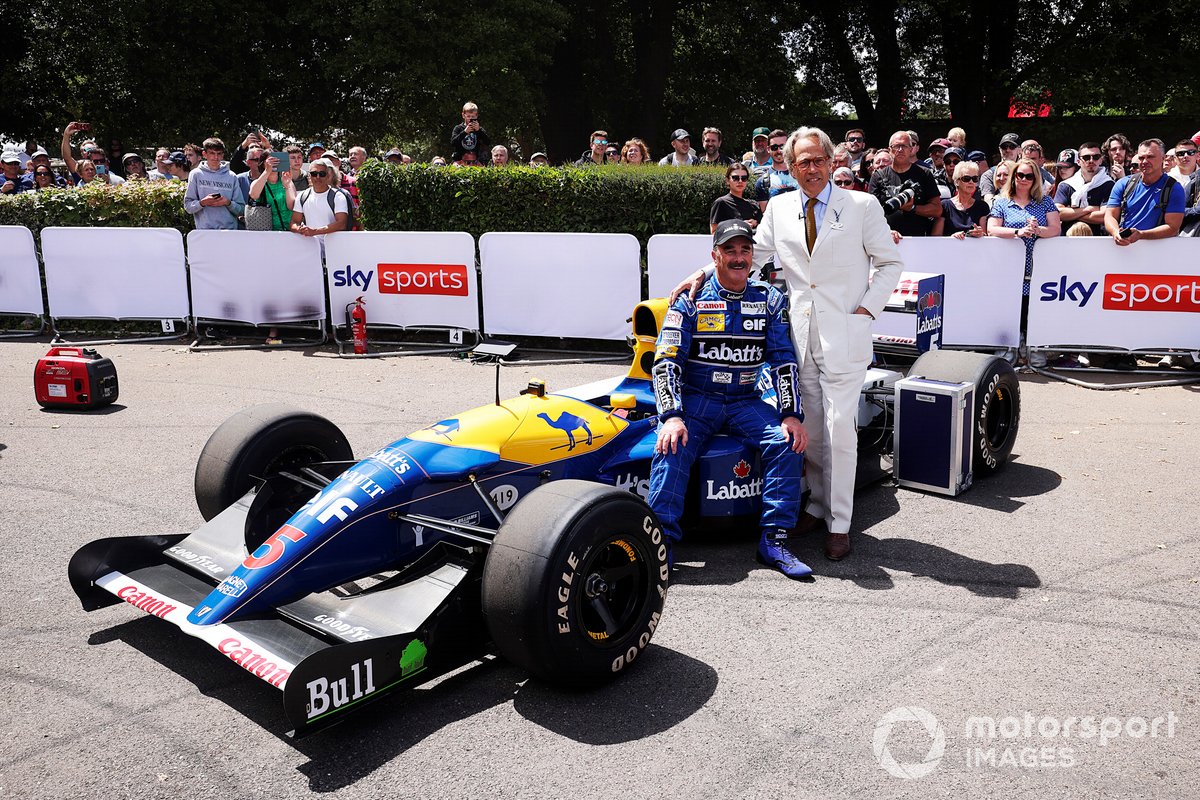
(1091, 157)
(42, 174)
(600, 141)
(739, 178)
(1184, 153)
(856, 139)
(952, 162)
(320, 173)
(843, 182)
(1031, 149)
(1024, 176)
(969, 179)
(1008, 147)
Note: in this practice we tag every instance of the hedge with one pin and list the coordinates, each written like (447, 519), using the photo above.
(642, 201)
(133, 204)
(639, 200)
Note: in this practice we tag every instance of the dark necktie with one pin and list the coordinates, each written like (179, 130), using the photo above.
(810, 222)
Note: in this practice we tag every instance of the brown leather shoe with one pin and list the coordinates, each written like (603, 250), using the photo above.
(837, 546)
(807, 524)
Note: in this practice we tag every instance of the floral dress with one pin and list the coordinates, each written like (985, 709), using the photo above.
(1012, 215)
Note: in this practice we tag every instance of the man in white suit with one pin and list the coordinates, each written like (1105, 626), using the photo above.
(841, 263)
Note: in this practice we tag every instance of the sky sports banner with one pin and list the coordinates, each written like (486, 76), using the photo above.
(115, 273)
(20, 278)
(573, 285)
(1091, 291)
(671, 257)
(406, 279)
(256, 277)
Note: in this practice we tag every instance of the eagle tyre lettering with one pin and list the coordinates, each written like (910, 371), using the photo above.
(575, 583)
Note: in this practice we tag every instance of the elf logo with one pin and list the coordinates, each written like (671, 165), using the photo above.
(353, 277)
(1077, 292)
(443, 279)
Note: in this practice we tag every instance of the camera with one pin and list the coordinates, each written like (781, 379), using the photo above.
(900, 195)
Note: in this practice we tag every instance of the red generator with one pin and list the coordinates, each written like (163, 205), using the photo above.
(74, 377)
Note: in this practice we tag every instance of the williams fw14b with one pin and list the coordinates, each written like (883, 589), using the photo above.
(517, 528)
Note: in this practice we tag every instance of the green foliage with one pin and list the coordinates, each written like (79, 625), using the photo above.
(642, 201)
(134, 204)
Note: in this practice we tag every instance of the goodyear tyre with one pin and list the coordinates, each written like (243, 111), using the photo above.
(997, 400)
(257, 442)
(574, 584)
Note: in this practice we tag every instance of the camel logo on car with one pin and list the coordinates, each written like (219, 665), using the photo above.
(568, 423)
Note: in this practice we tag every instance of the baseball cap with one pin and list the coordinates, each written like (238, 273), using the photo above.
(680, 133)
(539, 154)
(393, 152)
(41, 151)
(955, 151)
(757, 132)
(976, 155)
(1068, 158)
(314, 145)
(125, 159)
(1196, 139)
(1010, 138)
(10, 157)
(731, 229)
(332, 156)
(178, 158)
(942, 143)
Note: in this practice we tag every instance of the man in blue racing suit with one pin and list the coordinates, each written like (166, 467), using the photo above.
(707, 363)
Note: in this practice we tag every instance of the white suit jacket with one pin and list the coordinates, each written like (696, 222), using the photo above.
(854, 263)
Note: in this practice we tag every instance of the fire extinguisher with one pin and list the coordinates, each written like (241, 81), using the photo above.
(356, 316)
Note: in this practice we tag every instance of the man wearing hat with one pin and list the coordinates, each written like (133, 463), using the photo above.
(40, 158)
(394, 156)
(761, 162)
(179, 165)
(937, 149)
(134, 166)
(539, 159)
(1010, 150)
(706, 370)
(681, 144)
(14, 181)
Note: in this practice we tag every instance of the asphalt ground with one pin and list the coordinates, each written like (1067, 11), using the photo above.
(1061, 589)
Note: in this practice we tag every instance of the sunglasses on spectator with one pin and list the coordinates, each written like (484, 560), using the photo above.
(599, 141)
(318, 173)
(843, 182)
(1033, 148)
(970, 178)
(952, 162)
(739, 178)
(775, 147)
(1024, 176)
(42, 174)
(1092, 156)
(855, 139)
(1008, 147)
(1184, 153)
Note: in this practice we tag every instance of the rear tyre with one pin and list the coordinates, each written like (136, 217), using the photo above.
(575, 582)
(257, 442)
(997, 400)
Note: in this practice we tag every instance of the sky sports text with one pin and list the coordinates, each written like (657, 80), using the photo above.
(1128, 292)
(443, 279)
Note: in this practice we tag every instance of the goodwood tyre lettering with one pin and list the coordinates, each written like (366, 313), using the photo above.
(723, 353)
(253, 662)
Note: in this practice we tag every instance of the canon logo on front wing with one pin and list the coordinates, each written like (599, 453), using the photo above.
(444, 279)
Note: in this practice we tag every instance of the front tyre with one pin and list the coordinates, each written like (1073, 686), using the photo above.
(575, 582)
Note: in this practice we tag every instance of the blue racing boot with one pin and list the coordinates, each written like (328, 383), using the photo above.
(772, 551)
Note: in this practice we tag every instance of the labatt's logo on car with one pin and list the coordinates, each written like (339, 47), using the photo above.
(737, 487)
(322, 518)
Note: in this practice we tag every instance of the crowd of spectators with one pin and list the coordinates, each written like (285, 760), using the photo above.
(1096, 189)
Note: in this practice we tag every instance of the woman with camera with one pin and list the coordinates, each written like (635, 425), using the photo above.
(272, 196)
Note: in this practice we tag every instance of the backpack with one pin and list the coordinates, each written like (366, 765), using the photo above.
(1164, 197)
(352, 223)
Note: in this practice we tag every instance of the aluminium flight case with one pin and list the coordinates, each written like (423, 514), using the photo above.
(932, 447)
(74, 378)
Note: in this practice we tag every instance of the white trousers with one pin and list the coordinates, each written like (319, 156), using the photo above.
(830, 404)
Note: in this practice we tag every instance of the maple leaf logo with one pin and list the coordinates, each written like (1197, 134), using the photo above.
(741, 469)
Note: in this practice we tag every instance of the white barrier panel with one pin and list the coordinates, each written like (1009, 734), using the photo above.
(671, 257)
(257, 277)
(576, 285)
(1091, 291)
(405, 279)
(983, 286)
(20, 281)
(115, 273)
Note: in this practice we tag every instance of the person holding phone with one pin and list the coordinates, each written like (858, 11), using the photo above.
(470, 137)
(213, 194)
(963, 213)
